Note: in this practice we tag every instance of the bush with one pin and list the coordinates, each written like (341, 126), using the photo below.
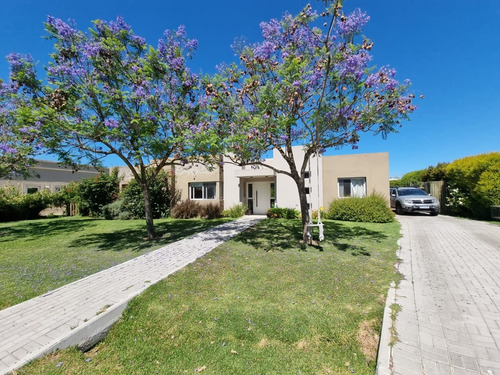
(113, 210)
(211, 211)
(283, 213)
(160, 198)
(474, 185)
(235, 211)
(17, 206)
(124, 215)
(410, 179)
(186, 210)
(94, 193)
(371, 209)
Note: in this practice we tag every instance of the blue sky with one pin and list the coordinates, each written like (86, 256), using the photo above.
(450, 49)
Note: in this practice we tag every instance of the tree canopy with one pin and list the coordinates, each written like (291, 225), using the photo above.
(109, 93)
(309, 82)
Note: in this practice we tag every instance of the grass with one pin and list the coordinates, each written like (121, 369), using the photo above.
(41, 255)
(259, 304)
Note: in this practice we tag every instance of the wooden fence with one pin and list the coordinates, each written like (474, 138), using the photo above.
(440, 190)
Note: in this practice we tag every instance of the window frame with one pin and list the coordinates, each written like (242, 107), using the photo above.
(205, 186)
(350, 179)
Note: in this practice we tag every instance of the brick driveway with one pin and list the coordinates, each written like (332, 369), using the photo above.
(450, 298)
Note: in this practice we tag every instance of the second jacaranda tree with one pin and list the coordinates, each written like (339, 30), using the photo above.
(309, 82)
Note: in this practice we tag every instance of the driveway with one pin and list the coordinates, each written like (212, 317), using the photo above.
(450, 298)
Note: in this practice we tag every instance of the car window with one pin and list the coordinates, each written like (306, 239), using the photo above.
(412, 192)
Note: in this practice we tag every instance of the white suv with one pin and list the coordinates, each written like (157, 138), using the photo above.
(410, 199)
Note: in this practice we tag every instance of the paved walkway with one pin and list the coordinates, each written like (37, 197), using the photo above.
(450, 298)
(81, 311)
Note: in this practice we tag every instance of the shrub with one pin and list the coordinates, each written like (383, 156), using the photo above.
(113, 210)
(413, 178)
(67, 195)
(124, 215)
(94, 193)
(282, 213)
(211, 211)
(17, 206)
(160, 198)
(475, 180)
(371, 209)
(236, 211)
(186, 210)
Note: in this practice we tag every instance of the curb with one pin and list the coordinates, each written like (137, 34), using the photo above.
(84, 337)
(384, 357)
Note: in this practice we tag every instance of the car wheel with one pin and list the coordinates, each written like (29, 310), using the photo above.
(399, 209)
(435, 213)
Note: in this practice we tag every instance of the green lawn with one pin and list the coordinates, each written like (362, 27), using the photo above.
(40, 255)
(259, 304)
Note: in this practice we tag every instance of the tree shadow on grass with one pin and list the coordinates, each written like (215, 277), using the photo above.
(135, 239)
(34, 230)
(285, 235)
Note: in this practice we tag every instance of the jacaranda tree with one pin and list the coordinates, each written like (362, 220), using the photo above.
(305, 85)
(109, 93)
(19, 134)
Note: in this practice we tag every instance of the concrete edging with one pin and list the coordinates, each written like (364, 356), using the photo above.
(384, 357)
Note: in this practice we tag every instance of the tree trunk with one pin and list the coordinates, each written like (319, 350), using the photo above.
(148, 212)
(304, 209)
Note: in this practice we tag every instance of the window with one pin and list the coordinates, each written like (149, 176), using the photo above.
(272, 202)
(307, 175)
(202, 190)
(307, 190)
(31, 190)
(352, 187)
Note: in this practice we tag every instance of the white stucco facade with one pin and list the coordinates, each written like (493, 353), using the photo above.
(261, 187)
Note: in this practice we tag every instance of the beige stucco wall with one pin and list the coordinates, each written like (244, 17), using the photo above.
(374, 167)
(50, 176)
(196, 172)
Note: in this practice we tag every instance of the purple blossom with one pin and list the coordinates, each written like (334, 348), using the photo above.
(391, 84)
(21, 63)
(316, 77)
(353, 23)
(181, 31)
(354, 65)
(271, 30)
(176, 63)
(111, 123)
(91, 49)
(264, 50)
(62, 28)
(372, 80)
(6, 149)
(192, 44)
(140, 92)
(138, 40)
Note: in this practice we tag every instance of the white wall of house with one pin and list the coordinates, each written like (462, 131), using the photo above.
(49, 175)
(236, 180)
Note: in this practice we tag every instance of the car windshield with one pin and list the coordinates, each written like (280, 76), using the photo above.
(411, 192)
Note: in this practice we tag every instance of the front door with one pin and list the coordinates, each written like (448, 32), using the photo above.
(259, 196)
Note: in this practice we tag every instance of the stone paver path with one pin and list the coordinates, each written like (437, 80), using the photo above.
(450, 298)
(78, 311)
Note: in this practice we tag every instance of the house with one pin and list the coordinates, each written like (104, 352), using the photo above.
(259, 187)
(49, 175)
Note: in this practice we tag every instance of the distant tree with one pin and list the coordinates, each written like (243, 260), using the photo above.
(19, 134)
(435, 173)
(108, 93)
(305, 85)
(413, 178)
(94, 193)
(474, 184)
